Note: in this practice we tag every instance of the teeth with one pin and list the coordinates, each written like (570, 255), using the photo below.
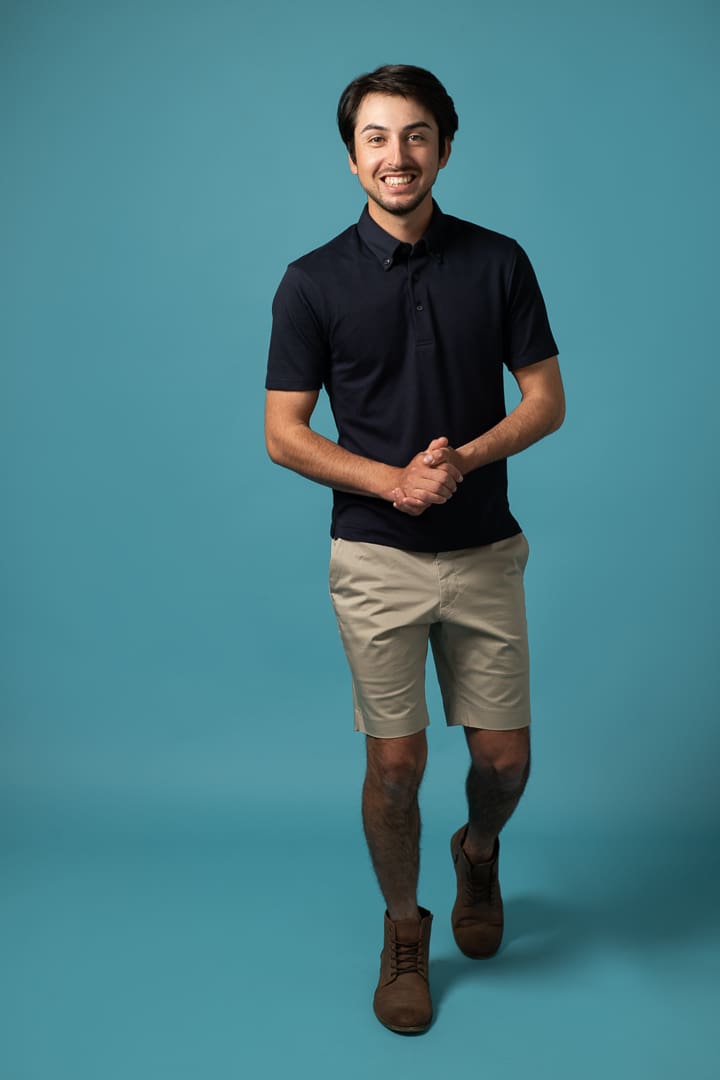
(397, 181)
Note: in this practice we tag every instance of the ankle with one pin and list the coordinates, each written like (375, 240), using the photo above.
(403, 912)
(478, 852)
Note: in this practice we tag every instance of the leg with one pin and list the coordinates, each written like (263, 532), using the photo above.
(385, 601)
(391, 817)
(481, 655)
(483, 665)
(497, 777)
(500, 766)
(392, 826)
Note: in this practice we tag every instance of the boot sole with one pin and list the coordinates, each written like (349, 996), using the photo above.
(406, 1030)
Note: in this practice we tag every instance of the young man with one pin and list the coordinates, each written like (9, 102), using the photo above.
(406, 319)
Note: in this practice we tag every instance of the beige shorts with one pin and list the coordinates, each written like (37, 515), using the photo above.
(470, 606)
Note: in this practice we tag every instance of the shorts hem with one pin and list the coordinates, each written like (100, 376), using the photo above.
(489, 721)
(395, 734)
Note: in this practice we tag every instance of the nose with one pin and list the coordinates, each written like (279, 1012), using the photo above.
(395, 152)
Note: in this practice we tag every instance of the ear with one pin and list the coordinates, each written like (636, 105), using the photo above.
(351, 163)
(445, 154)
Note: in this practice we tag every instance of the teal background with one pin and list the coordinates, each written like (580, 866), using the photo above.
(185, 890)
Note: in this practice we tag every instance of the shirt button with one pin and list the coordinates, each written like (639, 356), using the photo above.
(388, 262)
(419, 307)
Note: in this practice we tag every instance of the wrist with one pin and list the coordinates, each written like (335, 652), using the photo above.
(470, 456)
(387, 479)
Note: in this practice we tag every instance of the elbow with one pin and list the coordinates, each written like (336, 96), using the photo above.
(558, 420)
(274, 448)
(557, 416)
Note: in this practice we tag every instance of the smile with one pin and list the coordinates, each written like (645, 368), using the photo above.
(398, 181)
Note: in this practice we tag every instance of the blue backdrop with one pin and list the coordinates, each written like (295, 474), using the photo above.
(169, 646)
(166, 612)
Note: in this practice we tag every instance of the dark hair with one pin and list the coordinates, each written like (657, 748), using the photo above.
(406, 81)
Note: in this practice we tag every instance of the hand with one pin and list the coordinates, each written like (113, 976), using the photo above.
(430, 479)
(440, 453)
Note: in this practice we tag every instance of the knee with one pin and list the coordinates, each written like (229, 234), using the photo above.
(512, 773)
(396, 770)
(510, 766)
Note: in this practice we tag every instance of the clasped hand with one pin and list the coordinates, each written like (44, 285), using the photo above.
(430, 479)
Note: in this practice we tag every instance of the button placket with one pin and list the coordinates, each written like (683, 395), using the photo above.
(418, 300)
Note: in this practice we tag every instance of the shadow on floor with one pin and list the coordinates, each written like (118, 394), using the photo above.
(639, 900)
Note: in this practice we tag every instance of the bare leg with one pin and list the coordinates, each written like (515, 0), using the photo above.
(391, 818)
(496, 780)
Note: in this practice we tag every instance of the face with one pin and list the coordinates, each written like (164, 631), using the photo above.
(397, 154)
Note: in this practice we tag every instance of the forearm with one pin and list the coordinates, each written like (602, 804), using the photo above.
(312, 455)
(530, 421)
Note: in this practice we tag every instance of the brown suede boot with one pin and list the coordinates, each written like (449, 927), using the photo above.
(477, 917)
(402, 999)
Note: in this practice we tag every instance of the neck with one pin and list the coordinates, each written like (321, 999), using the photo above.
(409, 228)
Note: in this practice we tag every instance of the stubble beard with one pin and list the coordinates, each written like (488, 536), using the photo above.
(400, 209)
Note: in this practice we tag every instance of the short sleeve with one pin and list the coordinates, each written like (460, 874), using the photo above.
(298, 356)
(528, 334)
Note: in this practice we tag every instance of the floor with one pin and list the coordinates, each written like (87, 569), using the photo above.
(211, 946)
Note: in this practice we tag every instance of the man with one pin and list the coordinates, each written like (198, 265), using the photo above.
(406, 319)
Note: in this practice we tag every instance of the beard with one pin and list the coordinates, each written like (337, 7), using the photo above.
(402, 209)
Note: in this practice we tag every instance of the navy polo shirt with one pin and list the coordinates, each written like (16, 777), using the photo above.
(409, 342)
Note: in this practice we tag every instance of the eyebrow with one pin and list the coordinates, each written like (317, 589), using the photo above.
(408, 127)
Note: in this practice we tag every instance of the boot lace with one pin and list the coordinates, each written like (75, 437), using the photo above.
(407, 958)
(479, 889)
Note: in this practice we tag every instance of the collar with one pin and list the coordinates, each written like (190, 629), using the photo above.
(387, 249)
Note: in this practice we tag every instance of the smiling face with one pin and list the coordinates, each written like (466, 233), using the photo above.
(397, 158)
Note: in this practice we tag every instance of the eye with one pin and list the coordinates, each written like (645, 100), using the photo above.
(416, 137)
(375, 139)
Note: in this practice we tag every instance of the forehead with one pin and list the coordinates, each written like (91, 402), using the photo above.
(391, 111)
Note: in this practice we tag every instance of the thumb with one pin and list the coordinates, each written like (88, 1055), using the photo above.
(434, 444)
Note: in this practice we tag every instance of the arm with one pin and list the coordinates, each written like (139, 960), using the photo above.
(540, 411)
(291, 442)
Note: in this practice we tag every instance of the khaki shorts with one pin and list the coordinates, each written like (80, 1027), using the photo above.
(470, 606)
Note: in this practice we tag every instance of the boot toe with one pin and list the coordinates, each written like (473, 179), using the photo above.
(408, 1016)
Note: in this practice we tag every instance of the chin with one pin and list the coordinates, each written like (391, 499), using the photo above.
(400, 209)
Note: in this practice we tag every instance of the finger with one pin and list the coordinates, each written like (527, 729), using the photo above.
(427, 477)
(410, 506)
(407, 502)
(435, 444)
(401, 496)
(443, 485)
(440, 457)
(415, 496)
(428, 497)
(441, 475)
(451, 470)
